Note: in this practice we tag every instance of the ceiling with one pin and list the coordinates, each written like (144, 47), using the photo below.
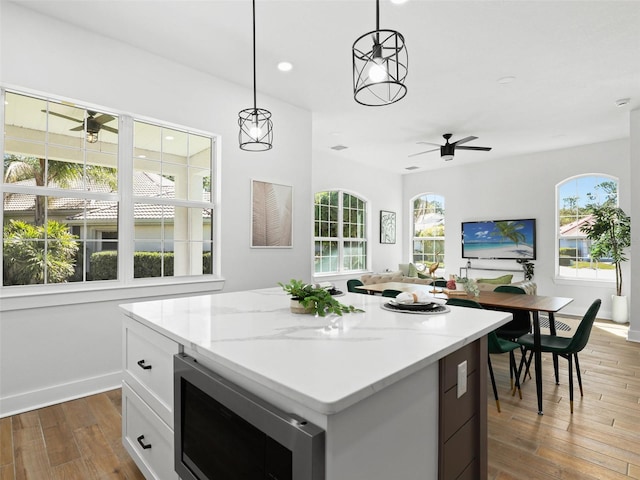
(572, 60)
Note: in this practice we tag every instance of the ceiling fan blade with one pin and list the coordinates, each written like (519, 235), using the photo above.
(109, 129)
(484, 149)
(429, 143)
(104, 118)
(77, 129)
(62, 116)
(426, 151)
(463, 140)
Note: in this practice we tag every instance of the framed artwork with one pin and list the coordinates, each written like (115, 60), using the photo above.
(271, 215)
(387, 227)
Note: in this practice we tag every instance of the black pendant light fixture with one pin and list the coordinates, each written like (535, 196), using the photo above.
(380, 64)
(256, 127)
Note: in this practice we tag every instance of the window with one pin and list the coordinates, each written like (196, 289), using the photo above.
(574, 195)
(60, 166)
(340, 232)
(172, 206)
(63, 206)
(428, 229)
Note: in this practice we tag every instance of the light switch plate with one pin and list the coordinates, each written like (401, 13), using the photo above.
(462, 379)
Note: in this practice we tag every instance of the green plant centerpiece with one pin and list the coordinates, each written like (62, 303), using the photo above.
(315, 300)
(469, 284)
(609, 231)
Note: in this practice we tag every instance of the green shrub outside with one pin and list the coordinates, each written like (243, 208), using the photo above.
(104, 265)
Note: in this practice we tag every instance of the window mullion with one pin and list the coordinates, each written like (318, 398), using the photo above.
(125, 193)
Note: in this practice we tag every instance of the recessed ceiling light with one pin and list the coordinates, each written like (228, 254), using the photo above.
(142, 156)
(622, 102)
(168, 137)
(412, 167)
(338, 147)
(285, 66)
(507, 79)
(398, 2)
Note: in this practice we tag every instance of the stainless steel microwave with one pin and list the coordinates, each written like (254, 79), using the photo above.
(223, 432)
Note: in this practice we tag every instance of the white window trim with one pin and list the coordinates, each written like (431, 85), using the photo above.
(576, 281)
(125, 287)
(413, 238)
(340, 238)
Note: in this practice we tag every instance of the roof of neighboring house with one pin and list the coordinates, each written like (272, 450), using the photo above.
(145, 184)
(573, 229)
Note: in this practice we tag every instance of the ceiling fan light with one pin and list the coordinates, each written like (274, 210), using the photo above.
(92, 137)
(447, 157)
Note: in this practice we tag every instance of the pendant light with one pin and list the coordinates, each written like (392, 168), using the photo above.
(380, 64)
(256, 127)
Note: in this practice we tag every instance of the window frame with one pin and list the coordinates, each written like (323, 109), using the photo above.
(577, 280)
(414, 238)
(340, 239)
(125, 286)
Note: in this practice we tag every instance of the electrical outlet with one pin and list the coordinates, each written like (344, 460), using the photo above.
(462, 379)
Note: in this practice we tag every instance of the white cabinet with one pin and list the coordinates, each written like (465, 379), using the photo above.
(147, 399)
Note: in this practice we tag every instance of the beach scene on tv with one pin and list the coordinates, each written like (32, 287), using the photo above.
(504, 239)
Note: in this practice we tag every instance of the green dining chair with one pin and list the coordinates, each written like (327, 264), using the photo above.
(389, 292)
(564, 347)
(521, 323)
(495, 345)
(352, 284)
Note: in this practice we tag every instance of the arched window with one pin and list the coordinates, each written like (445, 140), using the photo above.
(428, 229)
(574, 196)
(340, 232)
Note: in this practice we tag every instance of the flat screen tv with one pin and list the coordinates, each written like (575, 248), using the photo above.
(499, 239)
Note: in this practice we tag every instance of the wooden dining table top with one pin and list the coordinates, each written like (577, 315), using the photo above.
(400, 286)
(537, 303)
(533, 303)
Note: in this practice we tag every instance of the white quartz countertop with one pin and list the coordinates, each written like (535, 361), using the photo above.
(325, 363)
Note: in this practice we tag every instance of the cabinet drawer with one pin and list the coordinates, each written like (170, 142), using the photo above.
(142, 427)
(148, 367)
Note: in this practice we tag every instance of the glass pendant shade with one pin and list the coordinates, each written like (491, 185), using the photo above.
(380, 63)
(256, 129)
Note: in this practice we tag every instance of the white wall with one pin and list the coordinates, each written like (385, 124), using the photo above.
(634, 173)
(524, 187)
(382, 191)
(43, 55)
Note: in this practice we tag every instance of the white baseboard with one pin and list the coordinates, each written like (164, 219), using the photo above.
(24, 402)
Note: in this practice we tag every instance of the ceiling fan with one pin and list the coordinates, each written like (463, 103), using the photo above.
(447, 151)
(94, 124)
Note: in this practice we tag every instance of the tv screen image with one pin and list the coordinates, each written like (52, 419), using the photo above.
(499, 239)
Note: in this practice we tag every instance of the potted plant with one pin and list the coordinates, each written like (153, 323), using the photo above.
(527, 268)
(609, 230)
(305, 298)
(469, 285)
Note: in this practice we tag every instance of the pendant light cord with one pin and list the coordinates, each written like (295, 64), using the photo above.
(254, 55)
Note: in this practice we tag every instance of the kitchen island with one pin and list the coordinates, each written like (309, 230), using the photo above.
(378, 382)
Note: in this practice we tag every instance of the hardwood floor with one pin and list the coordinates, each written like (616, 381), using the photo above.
(601, 440)
(76, 440)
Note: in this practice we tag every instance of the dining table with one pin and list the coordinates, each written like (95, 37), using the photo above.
(498, 301)
(534, 304)
(377, 288)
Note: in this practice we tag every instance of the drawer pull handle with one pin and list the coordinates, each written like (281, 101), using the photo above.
(143, 366)
(142, 444)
